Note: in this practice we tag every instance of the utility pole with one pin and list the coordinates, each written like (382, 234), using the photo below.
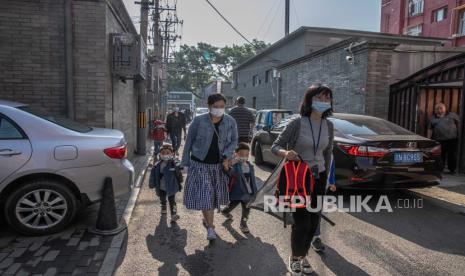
(163, 37)
(286, 23)
(140, 85)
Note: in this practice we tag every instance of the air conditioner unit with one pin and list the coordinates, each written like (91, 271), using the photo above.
(129, 56)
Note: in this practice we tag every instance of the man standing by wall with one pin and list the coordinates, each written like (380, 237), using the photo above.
(175, 124)
(444, 128)
(244, 119)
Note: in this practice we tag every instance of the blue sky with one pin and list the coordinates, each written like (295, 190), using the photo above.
(264, 19)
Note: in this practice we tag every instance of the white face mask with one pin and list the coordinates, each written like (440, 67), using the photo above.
(165, 157)
(242, 159)
(217, 112)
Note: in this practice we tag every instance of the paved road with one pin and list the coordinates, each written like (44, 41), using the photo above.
(421, 241)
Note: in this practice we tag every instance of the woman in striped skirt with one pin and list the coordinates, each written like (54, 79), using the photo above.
(210, 144)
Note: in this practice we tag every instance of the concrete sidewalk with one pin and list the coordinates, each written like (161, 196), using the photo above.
(450, 193)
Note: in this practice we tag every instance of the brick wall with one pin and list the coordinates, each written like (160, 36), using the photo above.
(378, 81)
(120, 95)
(90, 59)
(32, 57)
(346, 80)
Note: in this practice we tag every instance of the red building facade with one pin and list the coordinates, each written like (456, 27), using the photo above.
(428, 18)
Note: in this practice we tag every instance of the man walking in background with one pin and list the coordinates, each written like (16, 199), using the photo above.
(175, 124)
(244, 119)
(444, 128)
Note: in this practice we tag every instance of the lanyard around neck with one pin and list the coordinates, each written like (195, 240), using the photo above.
(315, 146)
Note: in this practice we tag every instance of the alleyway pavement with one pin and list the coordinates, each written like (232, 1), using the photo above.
(73, 251)
(420, 241)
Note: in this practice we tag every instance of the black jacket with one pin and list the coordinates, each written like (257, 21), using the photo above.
(174, 124)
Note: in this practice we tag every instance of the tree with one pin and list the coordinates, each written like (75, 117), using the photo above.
(193, 67)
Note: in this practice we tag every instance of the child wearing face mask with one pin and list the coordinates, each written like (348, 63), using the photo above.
(242, 185)
(166, 179)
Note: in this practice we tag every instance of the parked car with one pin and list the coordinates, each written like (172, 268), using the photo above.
(200, 111)
(370, 153)
(50, 168)
(270, 117)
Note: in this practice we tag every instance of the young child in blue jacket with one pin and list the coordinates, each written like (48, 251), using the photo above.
(242, 184)
(166, 179)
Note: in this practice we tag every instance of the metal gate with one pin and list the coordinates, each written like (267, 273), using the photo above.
(412, 100)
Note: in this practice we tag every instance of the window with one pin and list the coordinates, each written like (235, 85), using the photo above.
(235, 81)
(254, 102)
(415, 7)
(255, 80)
(258, 117)
(63, 122)
(8, 131)
(462, 23)
(415, 30)
(387, 23)
(263, 119)
(364, 127)
(440, 14)
(267, 75)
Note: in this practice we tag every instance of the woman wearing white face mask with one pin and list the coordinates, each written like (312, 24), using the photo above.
(210, 144)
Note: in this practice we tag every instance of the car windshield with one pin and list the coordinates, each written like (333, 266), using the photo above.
(61, 121)
(365, 126)
(277, 117)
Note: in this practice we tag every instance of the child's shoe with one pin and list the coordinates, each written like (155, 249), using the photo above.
(174, 218)
(243, 227)
(228, 216)
(163, 210)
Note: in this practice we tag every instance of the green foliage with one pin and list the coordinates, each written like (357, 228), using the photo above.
(193, 67)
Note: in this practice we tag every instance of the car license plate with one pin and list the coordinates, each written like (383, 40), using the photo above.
(408, 157)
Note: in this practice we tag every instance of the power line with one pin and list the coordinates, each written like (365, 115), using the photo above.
(266, 17)
(296, 14)
(229, 23)
(272, 21)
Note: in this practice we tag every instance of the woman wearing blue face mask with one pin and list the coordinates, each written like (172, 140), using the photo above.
(210, 144)
(309, 138)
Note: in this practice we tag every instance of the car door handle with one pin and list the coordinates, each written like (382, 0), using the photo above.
(9, 152)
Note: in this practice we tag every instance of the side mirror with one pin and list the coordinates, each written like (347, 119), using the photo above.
(267, 128)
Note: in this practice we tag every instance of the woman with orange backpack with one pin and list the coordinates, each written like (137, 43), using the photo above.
(307, 143)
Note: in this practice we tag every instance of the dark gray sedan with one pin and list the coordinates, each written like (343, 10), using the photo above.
(370, 153)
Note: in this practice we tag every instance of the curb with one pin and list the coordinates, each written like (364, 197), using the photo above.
(440, 202)
(111, 257)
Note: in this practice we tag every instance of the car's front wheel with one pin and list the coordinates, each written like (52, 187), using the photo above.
(40, 207)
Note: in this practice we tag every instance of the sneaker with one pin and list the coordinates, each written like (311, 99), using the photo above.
(211, 235)
(228, 216)
(244, 228)
(295, 266)
(175, 218)
(306, 267)
(317, 245)
(163, 210)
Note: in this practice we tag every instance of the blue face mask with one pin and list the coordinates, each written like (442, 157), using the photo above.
(320, 106)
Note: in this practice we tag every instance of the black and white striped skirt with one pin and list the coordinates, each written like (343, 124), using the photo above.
(206, 186)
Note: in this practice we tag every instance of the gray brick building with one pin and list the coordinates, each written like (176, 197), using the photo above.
(56, 55)
(223, 87)
(279, 76)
